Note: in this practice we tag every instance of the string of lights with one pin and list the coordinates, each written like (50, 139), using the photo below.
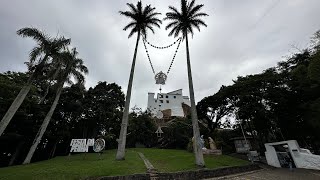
(161, 47)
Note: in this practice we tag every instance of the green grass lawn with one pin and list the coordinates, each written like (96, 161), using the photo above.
(77, 166)
(81, 166)
(170, 160)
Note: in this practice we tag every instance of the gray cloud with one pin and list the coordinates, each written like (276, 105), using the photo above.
(242, 37)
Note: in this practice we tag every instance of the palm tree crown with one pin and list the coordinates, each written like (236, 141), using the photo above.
(70, 66)
(142, 18)
(184, 21)
(46, 47)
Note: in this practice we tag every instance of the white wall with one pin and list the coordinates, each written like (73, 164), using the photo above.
(271, 156)
(172, 100)
(301, 158)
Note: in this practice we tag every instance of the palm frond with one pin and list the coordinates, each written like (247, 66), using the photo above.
(151, 16)
(171, 24)
(183, 7)
(173, 30)
(34, 33)
(190, 30)
(154, 20)
(153, 23)
(78, 76)
(150, 27)
(142, 18)
(61, 42)
(131, 24)
(199, 21)
(199, 15)
(190, 5)
(132, 7)
(195, 9)
(175, 11)
(34, 53)
(178, 30)
(134, 30)
(196, 25)
(185, 20)
(147, 9)
(128, 14)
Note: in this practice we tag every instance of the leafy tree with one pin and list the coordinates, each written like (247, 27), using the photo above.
(183, 22)
(214, 109)
(46, 48)
(142, 19)
(72, 66)
(314, 68)
(69, 120)
(102, 110)
(280, 103)
(21, 126)
(141, 129)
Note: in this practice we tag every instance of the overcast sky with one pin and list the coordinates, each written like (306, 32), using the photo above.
(242, 37)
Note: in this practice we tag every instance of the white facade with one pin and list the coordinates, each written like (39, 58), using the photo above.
(302, 158)
(172, 100)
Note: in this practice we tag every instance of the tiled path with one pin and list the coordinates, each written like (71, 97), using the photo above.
(275, 174)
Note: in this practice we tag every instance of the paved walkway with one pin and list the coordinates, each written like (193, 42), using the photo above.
(147, 163)
(275, 174)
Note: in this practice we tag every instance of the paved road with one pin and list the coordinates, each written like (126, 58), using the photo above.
(275, 174)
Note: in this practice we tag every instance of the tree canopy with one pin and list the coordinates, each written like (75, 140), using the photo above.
(280, 103)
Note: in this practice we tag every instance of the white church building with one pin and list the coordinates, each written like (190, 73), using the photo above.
(172, 101)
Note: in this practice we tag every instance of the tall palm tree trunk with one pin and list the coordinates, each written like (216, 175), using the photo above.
(19, 99)
(45, 95)
(123, 132)
(194, 117)
(16, 153)
(53, 152)
(55, 75)
(44, 125)
(14, 107)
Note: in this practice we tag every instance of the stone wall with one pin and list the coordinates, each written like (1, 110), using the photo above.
(186, 175)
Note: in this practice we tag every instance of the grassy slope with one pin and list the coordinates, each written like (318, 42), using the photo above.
(77, 167)
(170, 160)
(81, 166)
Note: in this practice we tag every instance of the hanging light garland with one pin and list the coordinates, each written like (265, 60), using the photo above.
(161, 77)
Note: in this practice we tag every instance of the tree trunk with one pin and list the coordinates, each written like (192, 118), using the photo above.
(19, 99)
(55, 75)
(54, 149)
(14, 107)
(194, 117)
(16, 153)
(45, 95)
(44, 126)
(123, 132)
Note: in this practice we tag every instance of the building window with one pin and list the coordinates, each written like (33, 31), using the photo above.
(159, 105)
(167, 101)
(174, 96)
(167, 97)
(161, 101)
(155, 100)
(161, 96)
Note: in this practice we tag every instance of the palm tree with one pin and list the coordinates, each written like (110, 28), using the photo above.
(183, 22)
(142, 19)
(46, 48)
(69, 66)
